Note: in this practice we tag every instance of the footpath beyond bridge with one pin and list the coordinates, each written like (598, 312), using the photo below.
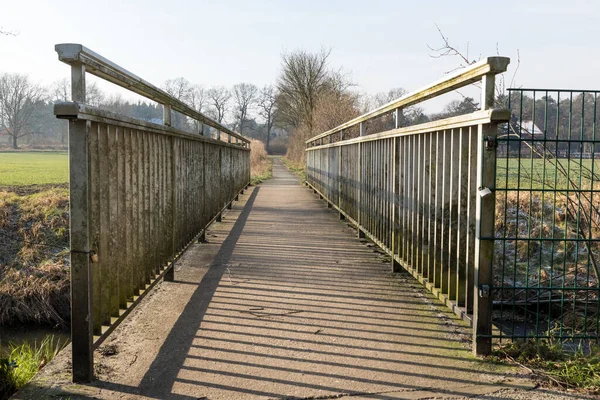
(284, 301)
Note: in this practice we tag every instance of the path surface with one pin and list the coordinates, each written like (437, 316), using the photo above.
(284, 302)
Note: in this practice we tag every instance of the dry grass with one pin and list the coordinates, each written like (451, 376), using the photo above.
(297, 168)
(261, 167)
(332, 109)
(539, 268)
(34, 271)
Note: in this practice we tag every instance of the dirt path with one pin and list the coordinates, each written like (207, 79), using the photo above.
(285, 302)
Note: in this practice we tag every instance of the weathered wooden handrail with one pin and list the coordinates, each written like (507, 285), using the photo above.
(95, 64)
(424, 193)
(140, 194)
(475, 72)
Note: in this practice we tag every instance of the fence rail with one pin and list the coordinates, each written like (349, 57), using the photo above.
(140, 194)
(425, 193)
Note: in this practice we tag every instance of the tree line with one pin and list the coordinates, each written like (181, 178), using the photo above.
(307, 98)
(26, 108)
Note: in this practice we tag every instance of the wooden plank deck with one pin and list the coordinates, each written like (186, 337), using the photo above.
(284, 301)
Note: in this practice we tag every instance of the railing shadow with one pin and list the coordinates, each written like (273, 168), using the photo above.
(326, 344)
(174, 350)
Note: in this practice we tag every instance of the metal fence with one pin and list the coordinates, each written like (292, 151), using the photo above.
(547, 241)
(140, 193)
(423, 193)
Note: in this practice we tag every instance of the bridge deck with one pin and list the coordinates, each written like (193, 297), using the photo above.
(283, 302)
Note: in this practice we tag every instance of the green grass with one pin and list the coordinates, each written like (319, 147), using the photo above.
(537, 173)
(579, 370)
(23, 362)
(33, 168)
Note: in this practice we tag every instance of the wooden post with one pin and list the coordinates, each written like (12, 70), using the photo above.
(361, 233)
(395, 264)
(485, 206)
(398, 117)
(82, 333)
(166, 114)
(170, 275)
(339, 177)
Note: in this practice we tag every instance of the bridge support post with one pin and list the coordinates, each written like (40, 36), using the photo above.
(329, 205)
(82, 319)
(485, 205)
(170, 275)
(394, 195)
(229, 205)
(361, 234)
(202, 237)
(219, 217)
(396, 267)
(342, 217)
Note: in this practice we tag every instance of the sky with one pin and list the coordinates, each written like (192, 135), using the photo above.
(379, 44)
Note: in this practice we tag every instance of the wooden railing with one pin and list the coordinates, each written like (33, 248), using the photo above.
(424, 193)
(140, 194)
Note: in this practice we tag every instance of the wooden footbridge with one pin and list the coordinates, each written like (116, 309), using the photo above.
(284, 300)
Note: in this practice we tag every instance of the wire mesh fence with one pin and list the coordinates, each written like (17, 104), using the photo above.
(547, 220)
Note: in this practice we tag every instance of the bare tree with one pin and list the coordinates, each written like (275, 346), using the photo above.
(180, 88)
(385, 97)
(267, 109)
(449, 50)
(244, 95)
(19, 100)
(7, 32)
(198, 100)
(303, 78)
(61, 91)
(219, 98)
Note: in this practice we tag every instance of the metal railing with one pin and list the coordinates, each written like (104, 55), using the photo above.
(547, 241)
(425, 193)
(140, 194)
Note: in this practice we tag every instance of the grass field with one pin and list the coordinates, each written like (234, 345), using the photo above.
(33, 168)
(34, 237)
(539, 173)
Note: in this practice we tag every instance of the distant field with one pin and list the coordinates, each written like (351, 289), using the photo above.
(33, 168)
(539, 173)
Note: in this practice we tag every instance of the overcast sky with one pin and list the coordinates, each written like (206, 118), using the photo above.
(382, 44)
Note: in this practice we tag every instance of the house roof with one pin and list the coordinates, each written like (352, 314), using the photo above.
(530, 128)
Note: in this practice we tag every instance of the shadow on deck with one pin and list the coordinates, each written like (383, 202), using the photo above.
(283, 302)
